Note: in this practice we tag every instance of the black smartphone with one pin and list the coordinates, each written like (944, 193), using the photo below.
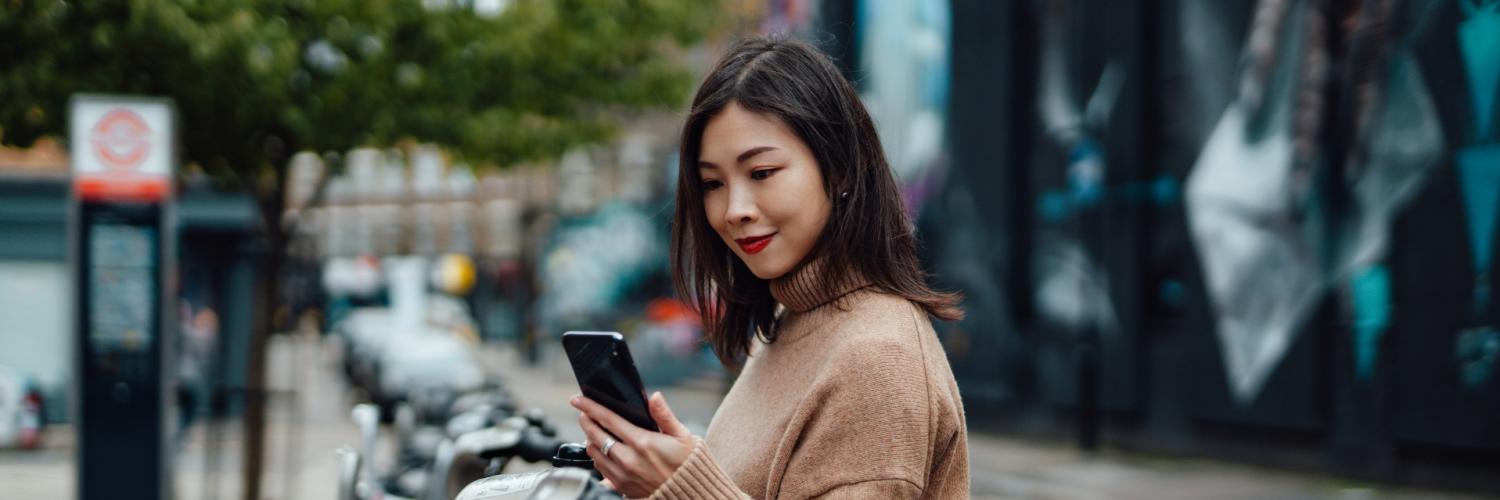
(607, 374)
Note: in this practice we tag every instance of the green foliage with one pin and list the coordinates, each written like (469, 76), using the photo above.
(254, 80)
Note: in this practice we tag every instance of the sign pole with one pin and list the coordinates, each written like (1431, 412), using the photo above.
(122, 238)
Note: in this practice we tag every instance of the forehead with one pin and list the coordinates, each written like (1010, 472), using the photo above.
(736, 129)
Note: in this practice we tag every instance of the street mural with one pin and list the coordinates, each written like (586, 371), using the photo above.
(1280, 217)
(1296, 168)
(1072, 289)
(904, 48)
(1252, 212)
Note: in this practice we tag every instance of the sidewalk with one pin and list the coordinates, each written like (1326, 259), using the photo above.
(1000, 466)
(307, 419)
(311, 419)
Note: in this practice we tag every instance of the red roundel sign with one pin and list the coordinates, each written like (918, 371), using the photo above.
(121, 147)
(121, 139)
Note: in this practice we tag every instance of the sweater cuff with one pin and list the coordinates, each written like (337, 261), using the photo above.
(698, 477)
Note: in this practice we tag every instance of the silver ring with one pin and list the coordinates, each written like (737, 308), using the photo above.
(608, 443)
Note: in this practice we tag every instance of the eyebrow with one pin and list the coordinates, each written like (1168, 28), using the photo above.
(748, 154)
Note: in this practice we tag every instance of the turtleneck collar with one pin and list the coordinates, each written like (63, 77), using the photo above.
(806, 287)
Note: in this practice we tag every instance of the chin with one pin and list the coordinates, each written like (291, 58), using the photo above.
(766, 270)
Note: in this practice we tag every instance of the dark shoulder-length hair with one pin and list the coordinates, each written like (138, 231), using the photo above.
(868, 231)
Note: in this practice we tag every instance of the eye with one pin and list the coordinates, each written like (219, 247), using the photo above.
(710, 185)
(763, 173)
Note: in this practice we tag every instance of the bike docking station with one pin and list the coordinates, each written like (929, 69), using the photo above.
(122, 237)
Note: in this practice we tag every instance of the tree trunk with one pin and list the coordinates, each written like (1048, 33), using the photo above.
(278, 238)
(252, 462)
(272, 204)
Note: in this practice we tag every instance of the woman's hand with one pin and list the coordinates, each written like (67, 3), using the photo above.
(641, 460)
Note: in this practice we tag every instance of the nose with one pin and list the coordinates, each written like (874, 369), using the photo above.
(742, 208)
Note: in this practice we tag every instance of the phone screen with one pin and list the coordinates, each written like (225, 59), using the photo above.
(607, 374)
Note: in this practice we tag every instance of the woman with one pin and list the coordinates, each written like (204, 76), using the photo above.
(784, 197)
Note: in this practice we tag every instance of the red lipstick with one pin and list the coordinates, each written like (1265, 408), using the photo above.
(755, 244)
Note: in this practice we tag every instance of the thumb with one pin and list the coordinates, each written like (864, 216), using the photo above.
(664, 418)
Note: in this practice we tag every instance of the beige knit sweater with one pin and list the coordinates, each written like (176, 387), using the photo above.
(854, 399)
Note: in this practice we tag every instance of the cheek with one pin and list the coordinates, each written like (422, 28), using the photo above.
(713, 210)
(803, 211)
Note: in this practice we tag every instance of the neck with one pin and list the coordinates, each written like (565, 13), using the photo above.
(810, 285)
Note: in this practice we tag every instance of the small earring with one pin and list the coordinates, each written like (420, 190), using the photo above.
(845, 194)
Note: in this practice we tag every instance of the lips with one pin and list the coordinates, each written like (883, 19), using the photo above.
(754, 245)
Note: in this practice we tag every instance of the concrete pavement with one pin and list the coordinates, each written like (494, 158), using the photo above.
(1000, 466)
(310, 418)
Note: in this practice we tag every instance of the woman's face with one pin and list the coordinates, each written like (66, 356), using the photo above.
(762, 190)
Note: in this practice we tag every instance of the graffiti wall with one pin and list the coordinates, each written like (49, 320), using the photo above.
(1275, 218)
(1443, 342)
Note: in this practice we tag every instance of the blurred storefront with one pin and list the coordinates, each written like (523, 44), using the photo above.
(219, 252)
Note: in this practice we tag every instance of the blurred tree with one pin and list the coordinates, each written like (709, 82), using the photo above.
(495, 82)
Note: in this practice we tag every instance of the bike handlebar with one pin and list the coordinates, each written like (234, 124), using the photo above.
(537, 446)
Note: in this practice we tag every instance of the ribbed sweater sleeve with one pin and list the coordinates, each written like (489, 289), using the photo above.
(699, 477)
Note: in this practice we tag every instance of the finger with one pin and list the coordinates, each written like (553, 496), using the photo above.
(620, 462)
(625, 468)
(619, 453)
(665, 419)
(606, 465)
(597, 436)
(610, 470)
(624, 457)
(609, 420)
(608, 484)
